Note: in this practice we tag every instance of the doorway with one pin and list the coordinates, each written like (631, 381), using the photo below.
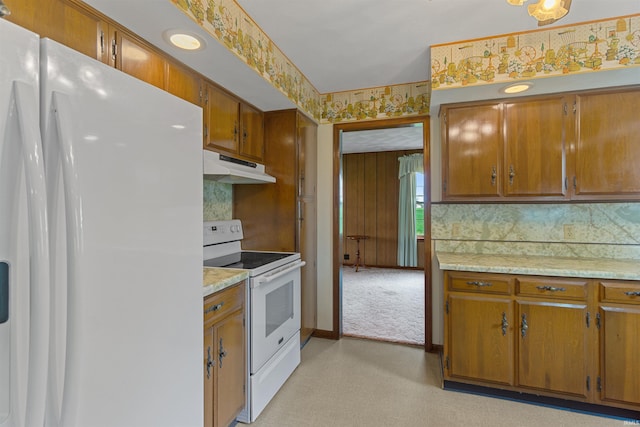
(338, 250)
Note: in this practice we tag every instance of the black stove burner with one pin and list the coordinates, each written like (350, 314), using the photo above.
(247, 261)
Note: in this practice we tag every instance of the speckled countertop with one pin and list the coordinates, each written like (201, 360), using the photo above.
(217, 279)
(600, 268)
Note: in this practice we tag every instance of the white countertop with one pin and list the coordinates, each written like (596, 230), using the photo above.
(601, 268)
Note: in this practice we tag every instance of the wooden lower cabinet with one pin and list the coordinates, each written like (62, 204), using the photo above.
(224, 356)
(574, 339)
(479, 348)
(619, 320)
(553, 346)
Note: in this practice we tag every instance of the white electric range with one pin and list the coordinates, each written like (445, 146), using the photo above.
(273, 310)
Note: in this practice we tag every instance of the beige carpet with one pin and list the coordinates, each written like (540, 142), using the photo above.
(362, 383)
(384, 304)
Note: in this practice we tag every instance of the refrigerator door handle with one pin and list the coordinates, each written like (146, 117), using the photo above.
(61, 155)
(26, 105)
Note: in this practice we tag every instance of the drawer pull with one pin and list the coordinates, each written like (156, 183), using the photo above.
(479, 284)
(550, 288)
(214, 308)
(633, 293)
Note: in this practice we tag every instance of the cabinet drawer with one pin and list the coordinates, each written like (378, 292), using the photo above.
(552, 288)
(621, 292)
(224, 302)
(484, 283)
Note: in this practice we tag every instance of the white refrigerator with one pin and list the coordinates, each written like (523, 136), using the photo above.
(100, 244)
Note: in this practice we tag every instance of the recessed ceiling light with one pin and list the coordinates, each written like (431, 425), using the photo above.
(517, 87)
(184, 40)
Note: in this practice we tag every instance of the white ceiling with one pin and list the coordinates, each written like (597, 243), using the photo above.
(344, 44)
(351, 44)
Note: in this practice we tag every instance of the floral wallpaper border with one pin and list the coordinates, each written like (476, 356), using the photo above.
(228, 23)
(586, 47)
(376, 103)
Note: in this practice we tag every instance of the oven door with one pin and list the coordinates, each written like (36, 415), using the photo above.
(275, 311)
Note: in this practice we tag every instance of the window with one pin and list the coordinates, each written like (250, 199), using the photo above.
(420, 204)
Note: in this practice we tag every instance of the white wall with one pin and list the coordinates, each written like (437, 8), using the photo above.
(325, 227)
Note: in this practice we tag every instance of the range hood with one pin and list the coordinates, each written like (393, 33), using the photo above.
(230, 170)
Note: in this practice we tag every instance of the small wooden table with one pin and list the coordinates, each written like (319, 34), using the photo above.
(357, 238)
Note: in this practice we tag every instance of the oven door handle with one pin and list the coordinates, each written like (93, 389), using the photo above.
(266, 278)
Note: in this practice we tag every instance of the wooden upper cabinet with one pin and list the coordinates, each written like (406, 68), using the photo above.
(608, 145)
(222, 121)
(67, 22)
(535, 148)
(574, 146)
(136, 58)
(473, 151)
(182, 82)
(252, 138)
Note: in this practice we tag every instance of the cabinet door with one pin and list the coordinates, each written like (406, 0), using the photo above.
(136, 58)
(619, 355)
(252, 143)
(273, 226)
(231, 367)
(68, 22)
(553, 351)
(479, 340)
(608, 146)
(473, 152)
(209, 361)
(222, 120)
(535, 148)
(182, 82)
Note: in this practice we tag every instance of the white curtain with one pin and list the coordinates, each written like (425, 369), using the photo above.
(407, 238)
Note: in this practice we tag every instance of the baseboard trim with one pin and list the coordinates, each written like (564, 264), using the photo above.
(582, 407)
(322, 333)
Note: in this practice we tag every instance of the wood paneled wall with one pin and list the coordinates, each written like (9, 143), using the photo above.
(370, 207)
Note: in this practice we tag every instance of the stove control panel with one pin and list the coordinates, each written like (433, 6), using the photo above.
(222, 231)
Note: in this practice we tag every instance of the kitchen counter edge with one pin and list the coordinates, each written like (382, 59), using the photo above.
(600, 268)
(218, 279)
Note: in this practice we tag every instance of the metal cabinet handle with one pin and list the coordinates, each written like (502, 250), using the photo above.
(221, 355)
(214, 308)
(633, 293)
(550, 288)
(505, 324)
(479, 284)
(494, 175)
(524, 326)
(210, 362)
(512, 174)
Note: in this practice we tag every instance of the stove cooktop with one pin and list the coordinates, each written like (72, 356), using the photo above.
(247, 260)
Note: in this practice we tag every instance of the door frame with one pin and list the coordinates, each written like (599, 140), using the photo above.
(337, 238)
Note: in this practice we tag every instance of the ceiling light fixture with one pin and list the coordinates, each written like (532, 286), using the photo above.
(516, 88)
(184, 40)
(545, 11)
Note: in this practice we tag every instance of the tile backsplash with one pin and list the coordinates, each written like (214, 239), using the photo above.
(218, 200)
(594, 230)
